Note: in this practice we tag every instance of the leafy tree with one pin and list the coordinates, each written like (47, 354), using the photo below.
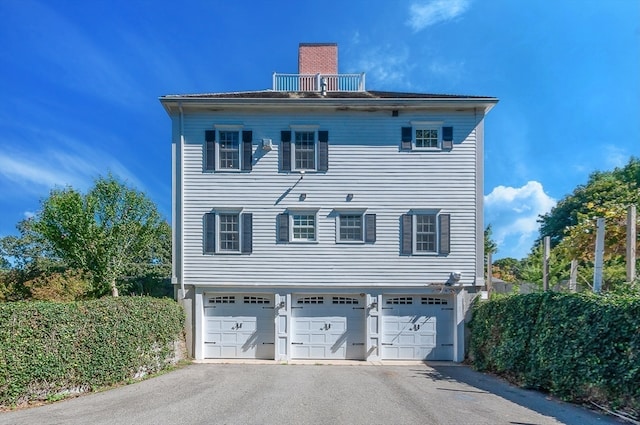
(571, 226)
(490, 246)
(605, 193)
(507, 269)
(113, 233)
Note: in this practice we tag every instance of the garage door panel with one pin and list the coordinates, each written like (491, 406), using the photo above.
(239, 326)
(417, 328)
(327, 327)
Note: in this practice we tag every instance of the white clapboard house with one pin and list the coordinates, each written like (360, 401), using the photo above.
(323, 220)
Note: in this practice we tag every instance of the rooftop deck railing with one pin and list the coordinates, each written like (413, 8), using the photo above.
(318, 82)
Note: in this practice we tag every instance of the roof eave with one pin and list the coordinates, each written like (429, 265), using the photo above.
(175, 101)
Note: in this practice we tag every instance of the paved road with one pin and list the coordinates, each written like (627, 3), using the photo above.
(312, 394)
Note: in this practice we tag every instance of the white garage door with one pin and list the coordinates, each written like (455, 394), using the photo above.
(239, 326)
(328, 327)
(417, 328)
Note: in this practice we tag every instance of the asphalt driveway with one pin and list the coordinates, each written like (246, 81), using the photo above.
(312, 394)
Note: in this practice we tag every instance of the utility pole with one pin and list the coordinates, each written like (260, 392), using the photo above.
(631, 243)
(599, 263)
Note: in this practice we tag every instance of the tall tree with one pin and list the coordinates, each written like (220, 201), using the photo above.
(490, 246)
(108, 233)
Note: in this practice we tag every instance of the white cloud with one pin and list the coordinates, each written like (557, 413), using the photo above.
(66, 162)
(513, 213)
(386, 66)
(431, 12)
(615, 156)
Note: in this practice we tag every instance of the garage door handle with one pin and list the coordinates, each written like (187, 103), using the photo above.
(358, 308)
(387, 308)
(268, 343)
(296, 343)
(387, 343)
(446, 345)
(357, 343)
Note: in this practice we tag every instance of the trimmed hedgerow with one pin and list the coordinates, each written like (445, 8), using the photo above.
(48, 349)
(580, 347)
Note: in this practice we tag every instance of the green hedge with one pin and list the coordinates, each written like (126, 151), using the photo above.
(48, 349)
(580, 347)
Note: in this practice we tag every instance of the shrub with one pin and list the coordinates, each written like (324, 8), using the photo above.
(51, 348)
(579, 347)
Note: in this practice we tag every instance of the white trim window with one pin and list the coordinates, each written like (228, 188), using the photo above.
(303, 226)
(350, 227)
(298, 226)
(353, 226)
(228, 232)
(304, 148)
(426, 233)
(427, 136)
(228, 148)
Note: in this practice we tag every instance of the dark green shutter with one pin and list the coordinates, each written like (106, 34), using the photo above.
(209, 233)
(285, 161)
(370, 228)
(247, 233)
(407, 137)
(406, 245)
(247, 150)
(210, 150)
(447, 137)
(445, 233)
(283, 227)
(323, 150)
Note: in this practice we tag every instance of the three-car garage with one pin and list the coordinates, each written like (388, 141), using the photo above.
(328, 326)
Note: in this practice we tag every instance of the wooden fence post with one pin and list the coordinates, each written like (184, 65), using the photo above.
(599, 263)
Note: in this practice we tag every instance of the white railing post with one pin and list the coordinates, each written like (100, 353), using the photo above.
(274, 82)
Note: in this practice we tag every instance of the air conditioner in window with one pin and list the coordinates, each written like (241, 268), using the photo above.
(267, 144)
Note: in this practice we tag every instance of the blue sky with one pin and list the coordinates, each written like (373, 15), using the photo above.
(81, 80)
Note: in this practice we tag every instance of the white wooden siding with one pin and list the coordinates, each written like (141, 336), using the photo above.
(364, 160)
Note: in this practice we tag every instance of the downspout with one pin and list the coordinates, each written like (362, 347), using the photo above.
(182, 290)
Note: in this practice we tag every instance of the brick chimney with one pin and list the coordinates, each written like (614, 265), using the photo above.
(318, 58)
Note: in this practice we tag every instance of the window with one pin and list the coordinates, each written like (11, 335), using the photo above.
(427, 135)
(425, 232)
(297, 226)
(225, 151)
(309, 150)
(350, 227)
(229, 151)
(228, 232)
(303, 227)
(229, 239)
(400, 300)
(427, 138)
(354, 227)
(305, 150)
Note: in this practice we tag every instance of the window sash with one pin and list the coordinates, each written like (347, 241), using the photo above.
(229, 232)
(303, 227)
(426, 235)
(305, 150)
(427, 138)
(229, 150)
(350, 228)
